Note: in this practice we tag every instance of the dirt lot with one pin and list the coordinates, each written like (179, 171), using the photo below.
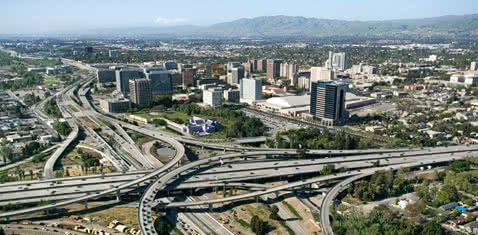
(124, 214)
(241, 215)
(73, 162)
(307, 221)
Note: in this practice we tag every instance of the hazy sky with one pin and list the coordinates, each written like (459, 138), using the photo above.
(54, 15)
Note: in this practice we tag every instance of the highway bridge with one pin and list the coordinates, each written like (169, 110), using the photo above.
(237, 169)
(50, 190)
(148, 198)
(261, 165)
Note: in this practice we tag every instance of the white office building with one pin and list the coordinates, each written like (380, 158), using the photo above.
(474, 66)
(321, 74)
(213, 97)
(471, 79)
(339, 61)
(364, 69)
(251, 90)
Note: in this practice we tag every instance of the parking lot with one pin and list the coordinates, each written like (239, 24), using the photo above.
(274, 125)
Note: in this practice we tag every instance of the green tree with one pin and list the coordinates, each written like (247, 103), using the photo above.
(433, 228)
(162, 226)
(274, 213)
(254, 221)
(6, 153)
(328, 169)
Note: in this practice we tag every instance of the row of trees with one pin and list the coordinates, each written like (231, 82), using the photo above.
(383, 184)
(462, 176)
(30, 149)
(381, 221)
(313, 138)
(31, 99)
(51, 108)
(29, 79)
(257, 225)
(62, 128)
(87, 159)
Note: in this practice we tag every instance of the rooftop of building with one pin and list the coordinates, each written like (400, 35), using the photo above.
(289, 101)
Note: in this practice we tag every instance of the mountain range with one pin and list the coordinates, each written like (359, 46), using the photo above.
(293, 26)
(464, 26)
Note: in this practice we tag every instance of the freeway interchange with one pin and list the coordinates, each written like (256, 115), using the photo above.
(140, 174)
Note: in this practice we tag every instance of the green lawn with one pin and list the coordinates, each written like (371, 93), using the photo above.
(50, 80)
(170, 115)
(174, 115)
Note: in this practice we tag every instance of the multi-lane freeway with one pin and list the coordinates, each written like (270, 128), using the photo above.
(261, 166)
(237, 169)
(148, 200)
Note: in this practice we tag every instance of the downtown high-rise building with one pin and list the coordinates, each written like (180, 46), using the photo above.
(339, 61)
(250, 90)
(161, 82)
(321, 74)
(288, 70)
(235, 76)
(253, 67)
(284, 70)
(336, 61)
(105, 75)
(123, 76)
(327, 102)
(273, 69)
(140, 92)
(188, 78)
(261, 66)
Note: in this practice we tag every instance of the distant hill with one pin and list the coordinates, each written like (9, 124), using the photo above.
(290, 26)
(465, 26)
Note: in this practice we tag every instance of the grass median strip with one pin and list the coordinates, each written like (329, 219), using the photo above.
(292, 209)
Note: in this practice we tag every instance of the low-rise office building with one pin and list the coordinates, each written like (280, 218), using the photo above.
(115, 106)
(231, 95)
(213, 97)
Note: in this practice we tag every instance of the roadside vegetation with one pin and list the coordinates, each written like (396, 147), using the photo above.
(313, 138)
(51, 108)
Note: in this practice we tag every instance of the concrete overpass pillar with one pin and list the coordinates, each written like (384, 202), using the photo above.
(86, 204)
(202, 147)
(47, 212)
(211, 207)
(8, 219)
(118, 195)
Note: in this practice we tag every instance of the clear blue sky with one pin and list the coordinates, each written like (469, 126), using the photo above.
(54, 15)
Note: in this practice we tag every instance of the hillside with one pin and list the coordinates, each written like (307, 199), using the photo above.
(290, 26)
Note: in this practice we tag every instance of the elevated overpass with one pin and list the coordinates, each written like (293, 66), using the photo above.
(147, 201)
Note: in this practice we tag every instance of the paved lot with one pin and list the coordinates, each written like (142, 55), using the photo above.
(376, 108)
(273, 125)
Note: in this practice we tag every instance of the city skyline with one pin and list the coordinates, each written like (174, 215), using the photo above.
(54, 16)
